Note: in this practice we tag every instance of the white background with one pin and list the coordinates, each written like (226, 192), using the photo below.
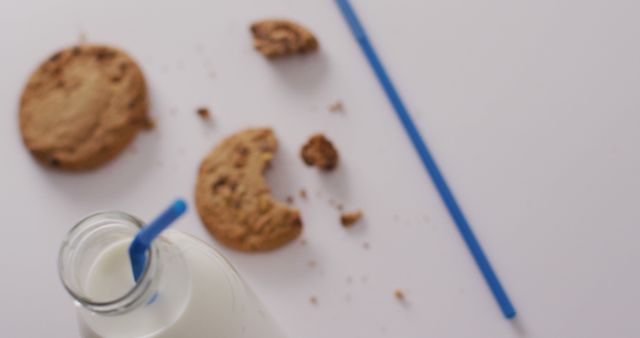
(530, 107)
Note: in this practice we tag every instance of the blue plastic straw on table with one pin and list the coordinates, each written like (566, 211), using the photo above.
(436, 176)
(142, 242)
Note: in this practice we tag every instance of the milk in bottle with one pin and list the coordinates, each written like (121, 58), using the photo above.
(187, 289)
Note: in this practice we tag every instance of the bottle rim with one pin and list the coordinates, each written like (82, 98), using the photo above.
(88, 227)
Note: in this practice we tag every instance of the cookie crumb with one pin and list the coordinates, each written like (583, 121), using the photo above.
(303, 242)
(399, 295)
(366, 245)
(319, 152)
(313, 300)
(336, 204)
(336, 107)
(303, 194)
(312, 264)
(203, 112)
(348, 219)
(289, 199)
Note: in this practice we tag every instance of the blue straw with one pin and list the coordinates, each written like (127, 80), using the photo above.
(142, 242)
(429, 163)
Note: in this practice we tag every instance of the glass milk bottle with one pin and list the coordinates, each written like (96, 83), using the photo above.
(187, 289)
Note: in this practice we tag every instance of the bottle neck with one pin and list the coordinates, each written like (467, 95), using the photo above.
(83, 247)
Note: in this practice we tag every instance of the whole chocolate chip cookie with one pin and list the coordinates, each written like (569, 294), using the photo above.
(82, 106)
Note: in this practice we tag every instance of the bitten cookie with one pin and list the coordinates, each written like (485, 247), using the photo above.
(276, 38)
(234, 200)
(82, 106)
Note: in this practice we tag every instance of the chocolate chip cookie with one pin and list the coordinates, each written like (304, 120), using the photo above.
(83, 106)
(234, 200)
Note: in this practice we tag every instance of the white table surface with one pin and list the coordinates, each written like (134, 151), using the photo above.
(531, 109)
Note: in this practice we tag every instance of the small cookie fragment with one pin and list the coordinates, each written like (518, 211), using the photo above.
(348, 219)
(313, 300)
(303, 194)
(336, 107)
(277, 38)
(234, 200)
(319, 152)
(203, 112)
(336, 204)
(82, 106)
(289, 199)
(399, 294)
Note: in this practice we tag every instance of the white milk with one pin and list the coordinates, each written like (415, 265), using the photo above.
(213, 301)
(111, 277)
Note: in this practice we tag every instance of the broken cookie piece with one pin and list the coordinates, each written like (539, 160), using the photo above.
(277, 38)
(399, 294)
(348, 219)
(336, 107)
(234, 200)
(203, 112)
(319, 152)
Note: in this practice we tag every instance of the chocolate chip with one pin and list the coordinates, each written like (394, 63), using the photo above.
(133, 103)
(123, 67)
(55, 56)
(218, 183)
(240, 155)
(296, 221)
(104, 54)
